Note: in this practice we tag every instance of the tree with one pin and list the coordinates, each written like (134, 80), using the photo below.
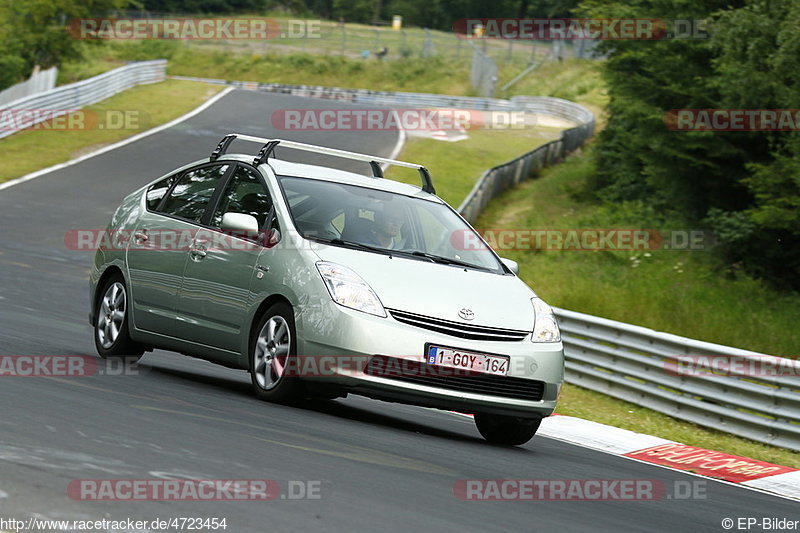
(742, 185)
(34, 32)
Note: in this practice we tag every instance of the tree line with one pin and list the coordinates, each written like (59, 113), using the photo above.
(744, 186)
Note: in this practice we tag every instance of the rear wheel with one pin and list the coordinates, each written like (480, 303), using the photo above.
(111, 336)
(507, 430)
(273, 350)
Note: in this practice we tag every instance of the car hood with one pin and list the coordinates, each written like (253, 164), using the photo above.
(440, 291)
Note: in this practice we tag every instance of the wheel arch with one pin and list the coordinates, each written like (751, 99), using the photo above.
(265, 304)
(108, 273)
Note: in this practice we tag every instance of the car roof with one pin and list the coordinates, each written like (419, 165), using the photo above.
(322, 173)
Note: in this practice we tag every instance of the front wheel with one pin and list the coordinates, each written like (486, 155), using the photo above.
(111, 336)
(508, 430)
(272, 351)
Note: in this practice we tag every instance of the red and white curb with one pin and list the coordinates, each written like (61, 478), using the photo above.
(742, 471)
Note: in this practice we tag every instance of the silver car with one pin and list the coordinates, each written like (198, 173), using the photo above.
(322, 282)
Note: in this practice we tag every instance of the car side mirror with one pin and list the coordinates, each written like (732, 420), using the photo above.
(513, 266)
(239, 222)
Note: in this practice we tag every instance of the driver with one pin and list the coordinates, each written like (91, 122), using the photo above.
(386, 230)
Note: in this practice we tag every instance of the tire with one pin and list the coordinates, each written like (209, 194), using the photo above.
(273, 348)
(507, 430)
(112, 314)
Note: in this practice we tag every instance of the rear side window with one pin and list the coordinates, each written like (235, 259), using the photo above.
(157, 191)
(190, 196)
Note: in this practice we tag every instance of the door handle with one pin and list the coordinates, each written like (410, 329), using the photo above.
(140, 237)
(198, 250)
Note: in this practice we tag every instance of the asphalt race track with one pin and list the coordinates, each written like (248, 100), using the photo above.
(380, 466)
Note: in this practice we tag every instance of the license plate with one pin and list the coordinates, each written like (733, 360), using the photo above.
(468, 361)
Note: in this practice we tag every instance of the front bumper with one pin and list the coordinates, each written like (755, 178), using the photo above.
(350, 339)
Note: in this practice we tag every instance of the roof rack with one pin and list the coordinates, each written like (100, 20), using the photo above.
(269, 147)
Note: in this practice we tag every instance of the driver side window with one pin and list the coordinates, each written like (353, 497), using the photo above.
(244, 194)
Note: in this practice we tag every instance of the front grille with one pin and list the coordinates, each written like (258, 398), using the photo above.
(455, 380)
(457, 329)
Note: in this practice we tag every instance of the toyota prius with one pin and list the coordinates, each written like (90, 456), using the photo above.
(321, 282)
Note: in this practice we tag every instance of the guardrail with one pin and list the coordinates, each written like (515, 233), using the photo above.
(745, 393)
(37, 108)
(501, 177)
(535, 104)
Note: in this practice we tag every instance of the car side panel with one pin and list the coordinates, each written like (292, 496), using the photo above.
(155, 267)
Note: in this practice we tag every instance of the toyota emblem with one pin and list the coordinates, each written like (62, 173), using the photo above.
(466, 314)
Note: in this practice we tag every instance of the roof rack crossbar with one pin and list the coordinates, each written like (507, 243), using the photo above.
(222, 147)
(269, 147)
(265, 152)
(427, 182)
(377, 171)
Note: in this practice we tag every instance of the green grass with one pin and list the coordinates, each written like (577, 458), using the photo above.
(437, 75)
(578, 80)
(334, 71)
(455, 167)
(31, 150)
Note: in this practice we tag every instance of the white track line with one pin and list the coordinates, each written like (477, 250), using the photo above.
(205, 105)
(401, 141)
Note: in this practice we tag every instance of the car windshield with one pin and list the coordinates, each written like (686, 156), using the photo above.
(384, 222)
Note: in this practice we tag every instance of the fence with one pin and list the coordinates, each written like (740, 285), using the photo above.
(40, 81)
(483, 73)
(366, 41)
(31, 110)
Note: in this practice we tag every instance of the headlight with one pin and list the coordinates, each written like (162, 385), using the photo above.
(545, 327)
(348, 289)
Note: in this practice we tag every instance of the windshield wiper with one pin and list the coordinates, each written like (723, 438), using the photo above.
(445, 260)
(416, 253)
(353, 244)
